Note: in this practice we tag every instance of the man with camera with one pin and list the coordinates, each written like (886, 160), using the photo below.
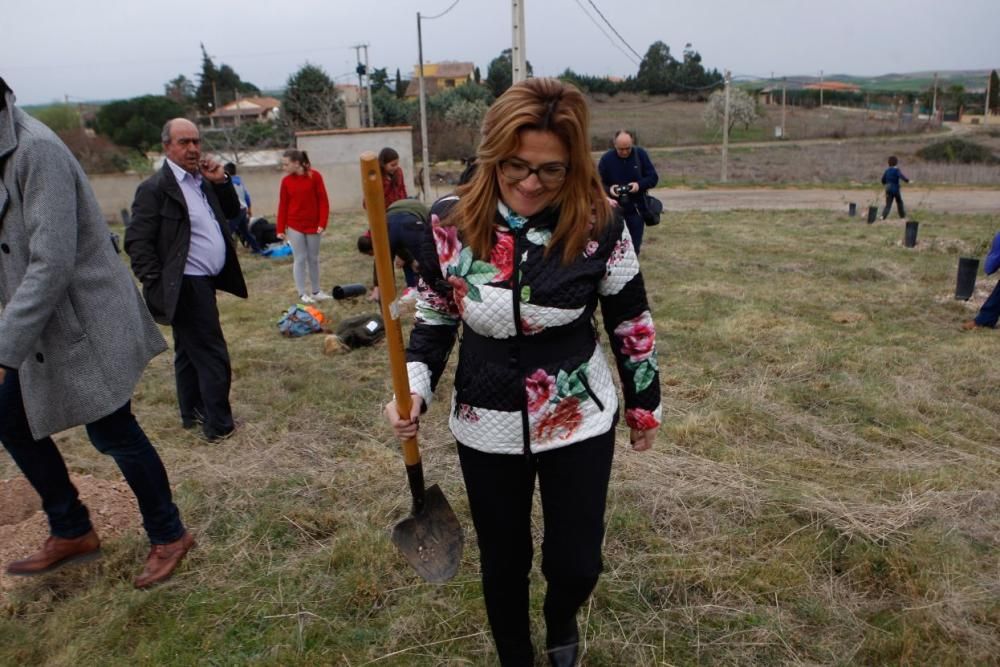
(627, 173)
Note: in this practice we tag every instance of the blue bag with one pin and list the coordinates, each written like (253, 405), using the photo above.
(297, 321)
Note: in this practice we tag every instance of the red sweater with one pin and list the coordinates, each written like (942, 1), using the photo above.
(302, 204)
(393, 187)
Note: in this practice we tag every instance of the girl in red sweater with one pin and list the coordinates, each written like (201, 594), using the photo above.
(303, 211)
(393, 183)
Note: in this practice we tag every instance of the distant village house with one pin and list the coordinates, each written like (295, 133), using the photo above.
(441, 76)
(246, 110)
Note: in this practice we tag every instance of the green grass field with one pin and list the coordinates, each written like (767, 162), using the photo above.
(825, 491)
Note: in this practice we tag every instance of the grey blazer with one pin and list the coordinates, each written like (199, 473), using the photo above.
(72, 321)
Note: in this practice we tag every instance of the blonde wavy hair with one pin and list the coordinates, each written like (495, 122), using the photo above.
(547, 105)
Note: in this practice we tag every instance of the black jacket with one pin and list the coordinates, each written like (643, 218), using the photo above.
(159, 235)
(530, 374)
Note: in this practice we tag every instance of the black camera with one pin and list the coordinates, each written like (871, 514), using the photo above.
(621, 193)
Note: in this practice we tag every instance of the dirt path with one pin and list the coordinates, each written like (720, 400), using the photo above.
(942, 200)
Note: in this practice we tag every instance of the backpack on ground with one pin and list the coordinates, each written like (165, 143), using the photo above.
(263, 232)
(354, 332)
(300, 320)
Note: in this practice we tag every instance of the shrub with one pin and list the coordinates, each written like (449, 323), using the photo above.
(958, 150)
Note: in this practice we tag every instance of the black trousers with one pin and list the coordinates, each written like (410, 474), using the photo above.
(573, 484)
(201, 358)
(889, 198)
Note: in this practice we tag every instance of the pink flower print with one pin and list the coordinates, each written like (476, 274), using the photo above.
(540, 386)
(640, 419)
(467, 413)
(638, 337)
(528, 328)
(561, 422)
(459, 289)
(591, 248)
(447, 243)
(502, 257)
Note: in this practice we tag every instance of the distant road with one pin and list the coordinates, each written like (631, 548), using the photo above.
(943, 200)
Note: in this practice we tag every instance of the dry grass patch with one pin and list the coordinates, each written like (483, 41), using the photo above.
(825, 490)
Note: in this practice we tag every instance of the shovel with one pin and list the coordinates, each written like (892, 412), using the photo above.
(431, 538)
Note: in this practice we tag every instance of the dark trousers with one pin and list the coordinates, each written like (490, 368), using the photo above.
(636, 228)
(119, 436)
(405, 236)
(240, 227)
(889, 198)
(201, 358)
(989, 312)
(573, 484)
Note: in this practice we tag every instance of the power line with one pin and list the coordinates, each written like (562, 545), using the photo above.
(613, 29)
(428, 18)
(599, 27)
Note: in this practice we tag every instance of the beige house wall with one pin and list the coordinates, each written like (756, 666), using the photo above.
(335, 154)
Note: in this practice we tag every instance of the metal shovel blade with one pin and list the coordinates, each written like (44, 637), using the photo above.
(432, 540)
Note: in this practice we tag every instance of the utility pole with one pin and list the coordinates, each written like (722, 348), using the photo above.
(986, 104)
(934, 100)
(424, 152)
(519, 62)
(360, 69)
(784, 82)
(821, 89)
(725, 132)
(215, 104)
(368, 82)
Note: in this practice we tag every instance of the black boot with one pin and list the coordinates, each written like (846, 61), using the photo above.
(562, 644)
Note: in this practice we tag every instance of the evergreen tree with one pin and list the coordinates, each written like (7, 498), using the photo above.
(500, 74)
(311, 100)
(994, 102)
(658, 70)
(218, 86)
(137, 122)
(181, 90)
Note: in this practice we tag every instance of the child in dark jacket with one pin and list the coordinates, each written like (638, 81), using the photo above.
(890, 179)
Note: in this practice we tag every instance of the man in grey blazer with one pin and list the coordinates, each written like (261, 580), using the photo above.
(181, 251)
(75, 338)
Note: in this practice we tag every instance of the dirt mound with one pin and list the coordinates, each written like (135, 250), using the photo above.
(23, 527)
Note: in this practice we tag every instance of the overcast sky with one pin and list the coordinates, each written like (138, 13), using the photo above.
(111, 49)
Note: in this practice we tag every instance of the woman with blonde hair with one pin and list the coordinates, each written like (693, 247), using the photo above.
(520, 260)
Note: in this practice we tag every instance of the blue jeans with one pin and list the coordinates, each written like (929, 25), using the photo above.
(989, 312)
(117, 435)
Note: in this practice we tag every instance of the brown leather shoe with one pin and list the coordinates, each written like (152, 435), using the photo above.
(163, 559)
(56, 552)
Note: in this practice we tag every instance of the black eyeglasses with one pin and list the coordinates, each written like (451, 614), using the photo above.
(549, 174)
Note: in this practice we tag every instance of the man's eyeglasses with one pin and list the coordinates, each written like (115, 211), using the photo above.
(549, 174)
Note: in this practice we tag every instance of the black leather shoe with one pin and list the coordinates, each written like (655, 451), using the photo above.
(563, 649)
(196, 419)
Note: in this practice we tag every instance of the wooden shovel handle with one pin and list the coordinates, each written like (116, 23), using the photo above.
(371, 181)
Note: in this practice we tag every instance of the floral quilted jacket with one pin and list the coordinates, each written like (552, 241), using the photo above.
(508, 399)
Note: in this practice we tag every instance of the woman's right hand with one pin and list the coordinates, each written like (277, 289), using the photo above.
(405, 428)
(281, 237)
